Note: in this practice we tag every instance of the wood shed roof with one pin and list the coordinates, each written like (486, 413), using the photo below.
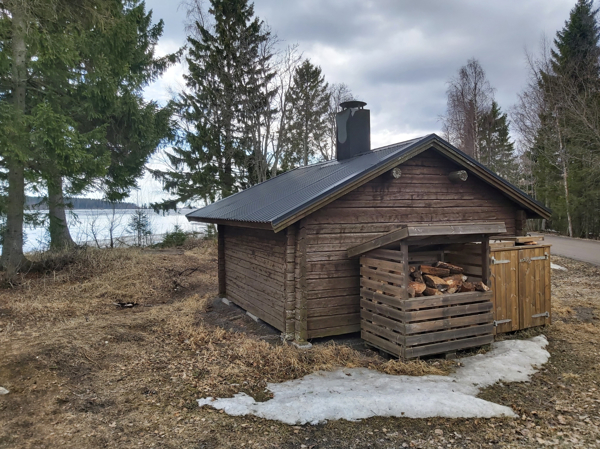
(281, 201)
(412, 232)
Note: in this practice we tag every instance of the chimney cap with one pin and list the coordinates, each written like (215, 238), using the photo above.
(353, 104)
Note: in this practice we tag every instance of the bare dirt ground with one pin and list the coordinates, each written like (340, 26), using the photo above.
(84, 373)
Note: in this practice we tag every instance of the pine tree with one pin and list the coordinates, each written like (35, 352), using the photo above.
(496, 149)
(124, 63)
(307, 123)
(225, 86)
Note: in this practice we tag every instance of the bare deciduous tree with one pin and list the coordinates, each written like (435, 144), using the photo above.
(287, 63)
(470, 96)
(338, 93)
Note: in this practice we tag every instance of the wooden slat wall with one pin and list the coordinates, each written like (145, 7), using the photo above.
(421, 326)
(505, 286)
(422, 194)
(255, 267)
(521, 288)
(467, 256)
(534, 286)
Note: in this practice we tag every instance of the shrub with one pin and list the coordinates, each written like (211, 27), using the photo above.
(176, 237)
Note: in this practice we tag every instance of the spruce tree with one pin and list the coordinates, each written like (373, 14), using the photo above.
(565, 147)
(115, 62)
(37, 48)
(86, 124)
(496, 149)
(308, 110)
(577, 54)
(225, 85)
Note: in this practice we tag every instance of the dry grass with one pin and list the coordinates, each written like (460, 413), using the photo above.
(84, 373)
(228, 362)
(94, 280)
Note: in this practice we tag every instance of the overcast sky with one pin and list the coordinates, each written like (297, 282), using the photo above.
(397, 55)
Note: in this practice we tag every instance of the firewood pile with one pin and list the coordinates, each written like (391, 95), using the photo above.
(440, 279)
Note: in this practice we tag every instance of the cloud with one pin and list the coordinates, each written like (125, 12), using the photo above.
(397, 55)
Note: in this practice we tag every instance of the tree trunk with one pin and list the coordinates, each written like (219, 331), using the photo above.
(565, 175)
(60, 237)
(12, 249)
(566, 186)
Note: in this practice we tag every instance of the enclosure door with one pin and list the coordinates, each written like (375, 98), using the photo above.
(534, 286)
(505, 285)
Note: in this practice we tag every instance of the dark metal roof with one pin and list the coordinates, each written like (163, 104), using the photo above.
(278, 199)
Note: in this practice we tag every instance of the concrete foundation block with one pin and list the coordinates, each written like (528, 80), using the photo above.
(302, 344)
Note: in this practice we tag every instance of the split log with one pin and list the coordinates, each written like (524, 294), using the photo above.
(418, 287)
(417, 276)
(454, 269)
(431, 292)
(435, 282)
(441, 272)
(481, 287)
(467, 287)
(454, 282)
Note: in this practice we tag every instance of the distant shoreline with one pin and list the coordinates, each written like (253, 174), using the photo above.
(40, 203)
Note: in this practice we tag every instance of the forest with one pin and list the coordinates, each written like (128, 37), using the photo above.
(547, 143)
(74, 121)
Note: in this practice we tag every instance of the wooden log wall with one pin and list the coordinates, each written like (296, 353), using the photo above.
(301, 307)
(255, 272)
(423, 193)
(221, 258)
(290, 282)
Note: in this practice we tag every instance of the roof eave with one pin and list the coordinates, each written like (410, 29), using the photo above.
(238, 223)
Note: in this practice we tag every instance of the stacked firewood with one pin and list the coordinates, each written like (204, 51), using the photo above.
(440, 279)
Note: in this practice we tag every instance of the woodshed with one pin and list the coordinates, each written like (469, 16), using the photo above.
(283, 244)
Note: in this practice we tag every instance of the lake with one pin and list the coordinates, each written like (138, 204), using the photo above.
(93, 226)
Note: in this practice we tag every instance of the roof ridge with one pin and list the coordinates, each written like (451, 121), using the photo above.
(404, 142)
(277, 204)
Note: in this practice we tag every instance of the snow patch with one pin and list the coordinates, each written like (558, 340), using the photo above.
(3, 391)
(557, 267)
(359, 393)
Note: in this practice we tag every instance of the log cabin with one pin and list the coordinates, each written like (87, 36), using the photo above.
(283, 244)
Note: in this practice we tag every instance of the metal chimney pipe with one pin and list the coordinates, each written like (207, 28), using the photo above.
(353, 125)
